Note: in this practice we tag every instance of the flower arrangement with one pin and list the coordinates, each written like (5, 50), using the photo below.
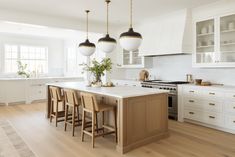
(22, 69)
(98, 69)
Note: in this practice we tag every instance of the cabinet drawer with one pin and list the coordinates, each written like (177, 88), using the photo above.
(229, 107)
(211, 94)
(230, 96)
(192, 92)
(213, 118)
(192, 102)
(192, 114)
(230, 121)
(211, 105)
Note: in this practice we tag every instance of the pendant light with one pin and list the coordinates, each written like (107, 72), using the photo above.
(87, 48)
(107, 44)
(130, 40)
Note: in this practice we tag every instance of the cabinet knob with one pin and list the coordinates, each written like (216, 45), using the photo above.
(234, 121)
(211, 104)
(191, 100)
(234, 107)
(234, 96)
(191, 91)
(191, 112)
(212, 93)
(212, 117)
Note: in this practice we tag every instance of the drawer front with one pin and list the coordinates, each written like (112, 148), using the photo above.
(210, 105)
(192, 114)
(230, 107)
(211, 94)
(192, 92)
(213, 118)
(230, 96)
(230, 121)
(192, 102)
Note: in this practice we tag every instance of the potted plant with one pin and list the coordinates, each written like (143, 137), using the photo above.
(22, 70)
(97, 69)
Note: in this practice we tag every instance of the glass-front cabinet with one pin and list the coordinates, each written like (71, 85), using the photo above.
(205, 41)
(227, 39)
(215, 42)
(131, 60)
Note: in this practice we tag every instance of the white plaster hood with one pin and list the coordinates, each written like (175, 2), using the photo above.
(168, 34)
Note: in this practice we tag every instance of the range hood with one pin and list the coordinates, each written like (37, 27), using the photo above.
(169, 34)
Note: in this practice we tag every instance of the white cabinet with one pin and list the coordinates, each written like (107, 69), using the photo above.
(127, 83)
(214, 42)
(210, 106)
(27, 90)
(130, 60)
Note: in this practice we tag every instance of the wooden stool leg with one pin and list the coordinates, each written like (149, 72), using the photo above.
(66, 118)
(103, 121)
(93, 129)
(51, 111)
(96, 122)
(115, 123)
(83, 124)
(73, 119)
(56, 113)
(78, 114)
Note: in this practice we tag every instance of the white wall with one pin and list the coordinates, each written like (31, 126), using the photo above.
(177, 66)
(55, 48)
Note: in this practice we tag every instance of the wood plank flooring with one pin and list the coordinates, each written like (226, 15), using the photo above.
(46, 140)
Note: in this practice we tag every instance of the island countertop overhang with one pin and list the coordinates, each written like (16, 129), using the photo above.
(117, 91)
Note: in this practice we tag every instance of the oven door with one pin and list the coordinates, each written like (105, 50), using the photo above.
(172, 106)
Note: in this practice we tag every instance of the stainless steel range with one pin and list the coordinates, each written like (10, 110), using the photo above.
(171, 86)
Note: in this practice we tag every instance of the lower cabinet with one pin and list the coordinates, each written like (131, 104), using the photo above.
(211, 106)
(27, 90)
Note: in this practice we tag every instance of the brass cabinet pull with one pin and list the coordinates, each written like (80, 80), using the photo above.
(212, 93)
(191, 112)
(212, 117)
(211, 104)
(191, 100)
(191, 91)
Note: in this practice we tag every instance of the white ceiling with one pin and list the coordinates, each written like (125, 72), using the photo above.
(119, 9)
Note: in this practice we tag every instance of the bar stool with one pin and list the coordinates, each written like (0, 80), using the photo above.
(56, 99)
(90, 105)
(72, 101)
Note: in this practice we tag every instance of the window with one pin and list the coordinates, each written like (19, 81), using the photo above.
(35, 57)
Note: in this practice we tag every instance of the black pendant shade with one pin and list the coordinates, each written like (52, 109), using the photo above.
(131, 33)
(107, 38)
(87, 43)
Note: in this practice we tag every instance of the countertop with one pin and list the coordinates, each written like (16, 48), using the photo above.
(35, 78)
(221, 87)
(118, 91)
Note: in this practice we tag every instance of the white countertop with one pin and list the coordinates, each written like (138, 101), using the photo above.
(221, 87)
(118, 91)
(34, 78)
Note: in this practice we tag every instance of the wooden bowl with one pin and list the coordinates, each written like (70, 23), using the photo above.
(198, 81)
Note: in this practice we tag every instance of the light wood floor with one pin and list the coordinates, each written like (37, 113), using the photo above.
(46, 140)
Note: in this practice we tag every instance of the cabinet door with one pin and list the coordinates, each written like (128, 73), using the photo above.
(227, 39)
(205, 41)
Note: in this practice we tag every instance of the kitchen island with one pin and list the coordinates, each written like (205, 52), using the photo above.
(142, 113)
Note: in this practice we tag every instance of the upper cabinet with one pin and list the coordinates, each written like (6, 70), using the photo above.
(214, 42)
(168, 34)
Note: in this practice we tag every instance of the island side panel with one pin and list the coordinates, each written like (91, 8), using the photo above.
(142, 120)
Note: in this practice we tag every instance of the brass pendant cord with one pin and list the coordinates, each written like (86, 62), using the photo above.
(131, 10)
(107, 18)
(87, 24)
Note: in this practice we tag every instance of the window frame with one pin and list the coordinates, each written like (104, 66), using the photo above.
(19, 45)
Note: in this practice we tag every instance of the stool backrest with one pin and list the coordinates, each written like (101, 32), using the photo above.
(89, 101)
(55, 93)
(71, 97)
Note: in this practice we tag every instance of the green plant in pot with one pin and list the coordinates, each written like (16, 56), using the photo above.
(22, 70)
(97, 69)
